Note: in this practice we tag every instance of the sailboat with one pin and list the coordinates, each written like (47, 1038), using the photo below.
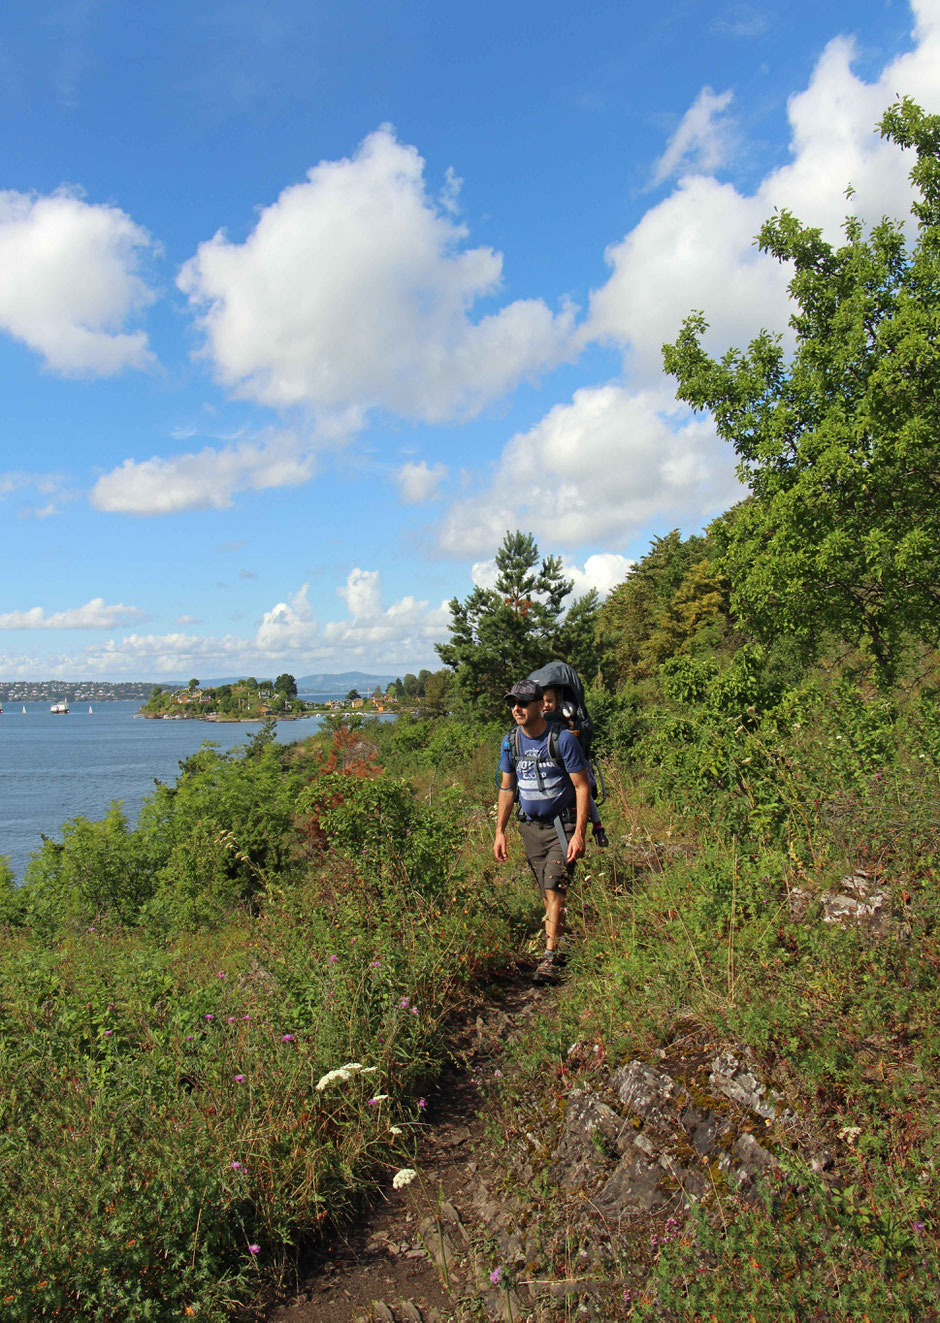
(90, 713)
(24, 709)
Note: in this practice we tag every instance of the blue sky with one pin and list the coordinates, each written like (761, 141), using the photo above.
(303, 305)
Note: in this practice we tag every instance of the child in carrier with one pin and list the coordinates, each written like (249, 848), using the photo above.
(553, 710)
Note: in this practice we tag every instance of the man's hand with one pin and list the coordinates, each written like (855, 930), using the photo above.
(500, 851)
(575, 846)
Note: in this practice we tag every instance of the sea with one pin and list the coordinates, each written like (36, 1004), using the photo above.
(53, 768)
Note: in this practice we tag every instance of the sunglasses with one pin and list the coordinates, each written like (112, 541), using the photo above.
(517, 703)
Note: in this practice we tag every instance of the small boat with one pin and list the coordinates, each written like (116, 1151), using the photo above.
(24, 709)
(90, 713)
(60, 709)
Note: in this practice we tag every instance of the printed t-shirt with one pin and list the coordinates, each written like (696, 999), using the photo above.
(544, 790)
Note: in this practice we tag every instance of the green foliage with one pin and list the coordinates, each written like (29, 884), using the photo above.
(840, 444)
(499, 635)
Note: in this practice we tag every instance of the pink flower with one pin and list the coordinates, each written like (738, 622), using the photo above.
(414, 1010)
(246, 1017)
(239, 1079)
(496, 1276)
(422, 1102)
(221, 974)
(108, 1033)
(236, 1166)
(376, 964)
(231, 1019)
(287, 1038)
(210, 1017)
(254, 1249)
(189, 1038)
(333, 959)
(404, 1003)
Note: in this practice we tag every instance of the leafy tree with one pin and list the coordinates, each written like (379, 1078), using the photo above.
(424, 676)
(193, 685)
(840, 444)
(500, 634)
(286, 684)
(353, 693)
(437, 692)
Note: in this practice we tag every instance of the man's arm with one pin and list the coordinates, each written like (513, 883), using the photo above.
(582, 790)
(504, 803)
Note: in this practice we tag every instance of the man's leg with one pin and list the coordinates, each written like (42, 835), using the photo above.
(554, 917)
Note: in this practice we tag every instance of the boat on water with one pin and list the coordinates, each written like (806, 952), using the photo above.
(24, 709)
(90, 713)
(60, 709)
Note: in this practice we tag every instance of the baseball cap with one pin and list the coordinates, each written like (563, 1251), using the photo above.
(524, 691)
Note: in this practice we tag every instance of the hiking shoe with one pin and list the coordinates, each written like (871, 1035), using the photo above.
(547, 970)
(600, 837)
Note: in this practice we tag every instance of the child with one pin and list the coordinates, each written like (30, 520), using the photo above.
(552, 712)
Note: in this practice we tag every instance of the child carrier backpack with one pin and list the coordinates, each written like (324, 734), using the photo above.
(572, 707)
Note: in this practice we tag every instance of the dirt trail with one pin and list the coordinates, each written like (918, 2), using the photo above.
(414, 1257)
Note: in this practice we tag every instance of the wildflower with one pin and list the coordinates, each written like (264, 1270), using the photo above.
(189, 1038)
(919, 1228)
(405, 1003)
(394, 1130)
(403, 1177)
(246, 1017)
(254, 1249)
(210, 1017)
(108, 1033)
(235, 1166)
(379, 1097)
(231, 1019)
(287, 1038)
(239, 1079)
(414, 1010)
(333, 959)
(496, 1276)
(330, 1077)
(221, 974)
(422, 1102)
(376, 964)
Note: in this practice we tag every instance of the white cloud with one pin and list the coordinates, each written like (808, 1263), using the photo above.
(603, 467)
(204, 480)
(602, 572)
(93, 615)
(418, 482)
(353, 292)
(695, 250)
(701, 140)
(70, 282)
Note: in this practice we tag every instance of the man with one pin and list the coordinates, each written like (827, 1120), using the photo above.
(552, 711)
(553, 805)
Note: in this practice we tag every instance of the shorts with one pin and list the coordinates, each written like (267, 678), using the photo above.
(543, 850)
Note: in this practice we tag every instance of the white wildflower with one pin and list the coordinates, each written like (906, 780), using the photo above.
(353, 1065)
(394, 1130)
(403, 1177)
(331, 1077)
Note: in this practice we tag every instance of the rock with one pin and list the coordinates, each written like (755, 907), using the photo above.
(648, 1093)
(410, 1313)
(588, 1139)
(633, 1188)
(737, 1079)
(747, 1161)
(706, 1129)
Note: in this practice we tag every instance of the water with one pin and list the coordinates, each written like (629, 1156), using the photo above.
(58, 767)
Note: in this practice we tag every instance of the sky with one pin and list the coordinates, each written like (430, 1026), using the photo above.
(304, 304)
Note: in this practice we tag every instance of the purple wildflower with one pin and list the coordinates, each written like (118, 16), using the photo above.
(422, 1102)
(236, 1166)
(189, 1038)
(333, 959)
(414, 1010)
(210, 1017)
(254, 1249)
(239, 1079)
(246, 1017)
(496, 1276)
(230, 1019)
(108, 1033)
(404, 1003)
(287, 1038)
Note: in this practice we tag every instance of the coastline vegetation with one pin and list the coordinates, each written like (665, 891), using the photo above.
(218, 1026)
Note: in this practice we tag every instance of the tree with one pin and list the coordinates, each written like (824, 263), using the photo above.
(353, 694)
(286, 684)
(840, 445)
(502, 633)
(193, 686)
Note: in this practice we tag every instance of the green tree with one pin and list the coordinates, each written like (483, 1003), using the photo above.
(286, 684)
(502, 633)
(353, 693)
(410, 685)
(193, 686)
(840, 444)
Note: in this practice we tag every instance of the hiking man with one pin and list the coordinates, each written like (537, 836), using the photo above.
(553, 808)
(552, 710)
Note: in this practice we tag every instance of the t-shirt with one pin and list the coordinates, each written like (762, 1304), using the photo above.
(544, 789)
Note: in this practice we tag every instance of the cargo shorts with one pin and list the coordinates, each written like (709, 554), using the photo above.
(543, 850)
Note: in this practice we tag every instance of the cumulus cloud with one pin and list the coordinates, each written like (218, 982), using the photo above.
(70, 282)
(603, 467)
(353, 292)
(701, 141)
(207, 479)
(601, 572)
(419, 483)
(696, 248)
(93, 615)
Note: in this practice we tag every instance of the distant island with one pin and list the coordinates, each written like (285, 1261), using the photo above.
(73, 691)
(251, 700)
